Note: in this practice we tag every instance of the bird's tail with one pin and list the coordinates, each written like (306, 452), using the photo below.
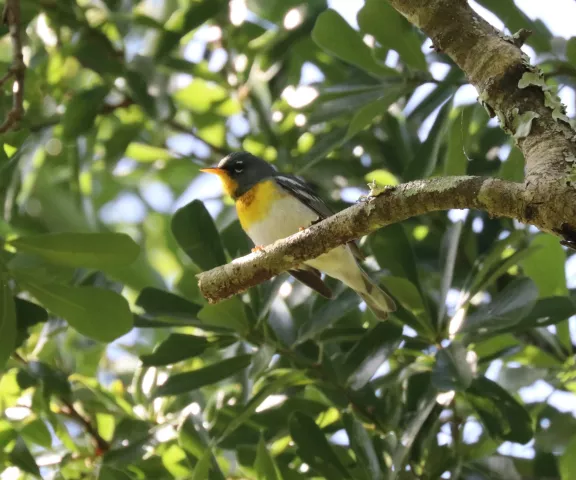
(377, 300)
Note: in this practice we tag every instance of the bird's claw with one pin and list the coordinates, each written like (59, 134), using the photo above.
(258, 248)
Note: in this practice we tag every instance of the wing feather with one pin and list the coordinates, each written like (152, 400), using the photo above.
(304, 192)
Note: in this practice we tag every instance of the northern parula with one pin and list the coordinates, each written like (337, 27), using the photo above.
(272, 206)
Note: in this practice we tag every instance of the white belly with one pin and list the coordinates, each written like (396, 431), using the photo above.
(288, 217)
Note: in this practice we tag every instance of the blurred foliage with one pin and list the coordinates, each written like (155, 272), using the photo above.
(113, 365)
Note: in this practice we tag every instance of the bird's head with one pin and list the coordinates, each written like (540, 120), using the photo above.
(240, 171)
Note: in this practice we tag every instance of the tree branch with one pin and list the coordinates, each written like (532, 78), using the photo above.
(497, 197)
(11, 17)
(510, 88)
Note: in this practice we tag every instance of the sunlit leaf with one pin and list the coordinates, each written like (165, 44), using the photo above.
(97, 313)
(369, 353)
(393, 31)
(337, 37)
(546, 266)
(503, 416)
(363, 447)
(82, 110)
(505, 310)
(228, 314)
(7, 322)
(90, 250)
(265, 466)
(314, 447)
(189, 381)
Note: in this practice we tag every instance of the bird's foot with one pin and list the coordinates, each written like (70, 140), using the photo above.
(258, 248)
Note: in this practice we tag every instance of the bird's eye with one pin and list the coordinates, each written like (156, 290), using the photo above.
(238, 169)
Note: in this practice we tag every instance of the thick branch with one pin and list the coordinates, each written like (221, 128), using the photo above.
(11, 17)
(495, 65)
(497, 197)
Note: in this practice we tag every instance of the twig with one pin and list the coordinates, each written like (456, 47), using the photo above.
(11, 17)
(102, 445)
(108, 109)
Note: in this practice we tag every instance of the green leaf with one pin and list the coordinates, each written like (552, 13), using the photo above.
(281, 322)
(412, 429)
(506, 309)
(366, 115)
(160, 303)
(37, 432)
(546, 266)
(117, 144)
(264, 465)
(7, 322)
(547, 311)
(452, 371)
(189, 438)
(97, 313)
(175, 348)
(414, 311)
(503, 416)
(513, 168)
(567, 462)
(184, 21)
(327, 315)
(313, 447)
(495, 266)
(138, 86)
(89, 250)
(55, 382)
(571, 50)
(203, 466)
(448, 252)
(324, 145)
(495, 467)
(261, 360)
(28, 314)
(392, 31)
(516, 19)
(332, 33)
(363, 448)
(327, 108)
(108, 472)
(189, 381)
(82, 110)
(456, 161)
(228, 313)
(196, 234)
(142, 152)
(426, 158)
(369, 353)
(402, 263)
(95, 51)
(284, 380)
(23, 459)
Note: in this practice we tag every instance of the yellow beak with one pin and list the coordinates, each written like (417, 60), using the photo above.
(215, 171)
(228, 184)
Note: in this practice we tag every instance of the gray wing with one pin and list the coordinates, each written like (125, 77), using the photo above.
(304, 192)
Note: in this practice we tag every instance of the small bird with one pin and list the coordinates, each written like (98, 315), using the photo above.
(271, 206)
